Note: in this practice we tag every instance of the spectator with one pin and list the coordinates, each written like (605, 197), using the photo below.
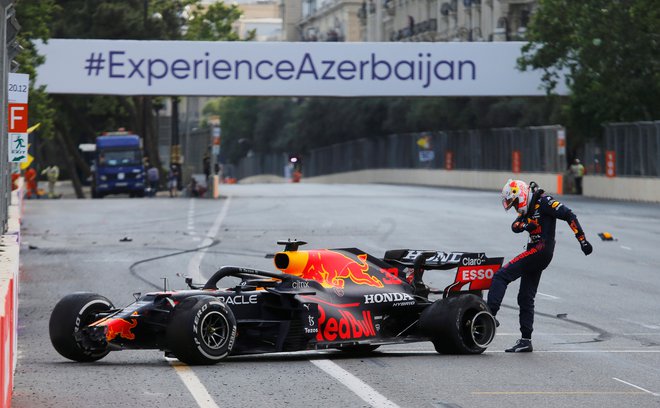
(206, 165)
(52, 174)
(577, 171)
(173, 180)
(153, 177)
(31, 183)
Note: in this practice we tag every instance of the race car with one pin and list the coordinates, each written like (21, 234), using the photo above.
(340, 299)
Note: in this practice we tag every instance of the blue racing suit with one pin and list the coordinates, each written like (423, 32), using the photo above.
(540, 221)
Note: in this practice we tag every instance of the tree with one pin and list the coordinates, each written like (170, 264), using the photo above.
(79, 118)
(610, 52)
(214, 23)
(35, 19)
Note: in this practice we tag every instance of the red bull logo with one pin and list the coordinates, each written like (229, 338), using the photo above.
(330, 268)
(345, 327)
(119, 327)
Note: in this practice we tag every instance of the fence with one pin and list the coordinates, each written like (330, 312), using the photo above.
(633, 149)
(194, 145)
(533, 149)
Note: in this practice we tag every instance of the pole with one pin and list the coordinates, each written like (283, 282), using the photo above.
(175, 149)
(4, 196)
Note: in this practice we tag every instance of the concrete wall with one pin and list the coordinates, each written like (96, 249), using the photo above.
(618, 188)
(480, 180)
(623, 188)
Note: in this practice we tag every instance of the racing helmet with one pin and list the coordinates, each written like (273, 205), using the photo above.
(515, 193)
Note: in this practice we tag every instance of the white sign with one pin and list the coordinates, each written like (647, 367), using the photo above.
(18, 147)
(18, 86)
(426, 155)
(561, 141)
(124, 67)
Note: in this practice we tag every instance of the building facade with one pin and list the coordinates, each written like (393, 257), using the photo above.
(329, 20)
(262, 17)
(406, 20)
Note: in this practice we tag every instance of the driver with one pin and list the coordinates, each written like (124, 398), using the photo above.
(537, 214)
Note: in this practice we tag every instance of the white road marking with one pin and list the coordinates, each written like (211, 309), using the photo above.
(581, 334)
(636, 386)
(191, 216)
(536, 351)
(194, 385)
(644, 325)
(548, 296)
(196, 260)
(190, 380)
(361, 389)
(626, 248)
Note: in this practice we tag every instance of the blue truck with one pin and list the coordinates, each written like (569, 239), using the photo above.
(117, 166)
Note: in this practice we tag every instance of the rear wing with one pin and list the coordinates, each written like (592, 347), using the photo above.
(433, 259)
(474, 269)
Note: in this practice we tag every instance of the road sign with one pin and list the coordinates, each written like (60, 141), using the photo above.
(18, 86)
(515, 161)
(18, 147)
(610, 163)
(18, 118)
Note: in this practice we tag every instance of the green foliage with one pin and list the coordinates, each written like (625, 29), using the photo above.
(213, 23)
(79, 118)
(35, 18)
(610, 50)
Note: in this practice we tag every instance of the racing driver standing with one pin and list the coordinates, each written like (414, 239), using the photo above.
(537, 214)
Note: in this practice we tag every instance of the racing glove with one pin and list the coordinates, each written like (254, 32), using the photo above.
(520, 226)
(585, 246)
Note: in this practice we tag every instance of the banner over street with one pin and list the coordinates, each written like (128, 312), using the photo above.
(123, 67)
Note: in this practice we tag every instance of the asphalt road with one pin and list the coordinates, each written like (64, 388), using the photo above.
(604, 350)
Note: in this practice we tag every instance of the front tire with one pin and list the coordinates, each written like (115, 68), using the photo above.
(459, 325)
(202, 331)
(70, 315)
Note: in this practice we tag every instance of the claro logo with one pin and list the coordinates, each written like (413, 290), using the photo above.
(472, 261)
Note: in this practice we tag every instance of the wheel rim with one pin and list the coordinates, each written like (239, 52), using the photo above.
(215, 330)
(482, 329)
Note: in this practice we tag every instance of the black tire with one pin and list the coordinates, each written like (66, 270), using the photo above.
(202, 331)
(71, 314)
(459, 325)
(359, 348)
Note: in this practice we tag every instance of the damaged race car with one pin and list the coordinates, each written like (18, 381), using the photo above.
(320, 299)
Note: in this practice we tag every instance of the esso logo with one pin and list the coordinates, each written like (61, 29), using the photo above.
(468, 275)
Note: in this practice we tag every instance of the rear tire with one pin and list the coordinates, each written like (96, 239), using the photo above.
(69, 316)
(459, 325)
(202, 330)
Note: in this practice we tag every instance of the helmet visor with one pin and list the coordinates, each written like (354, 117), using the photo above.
(508, 203)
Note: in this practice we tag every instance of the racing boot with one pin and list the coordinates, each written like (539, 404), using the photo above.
(521, 346)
